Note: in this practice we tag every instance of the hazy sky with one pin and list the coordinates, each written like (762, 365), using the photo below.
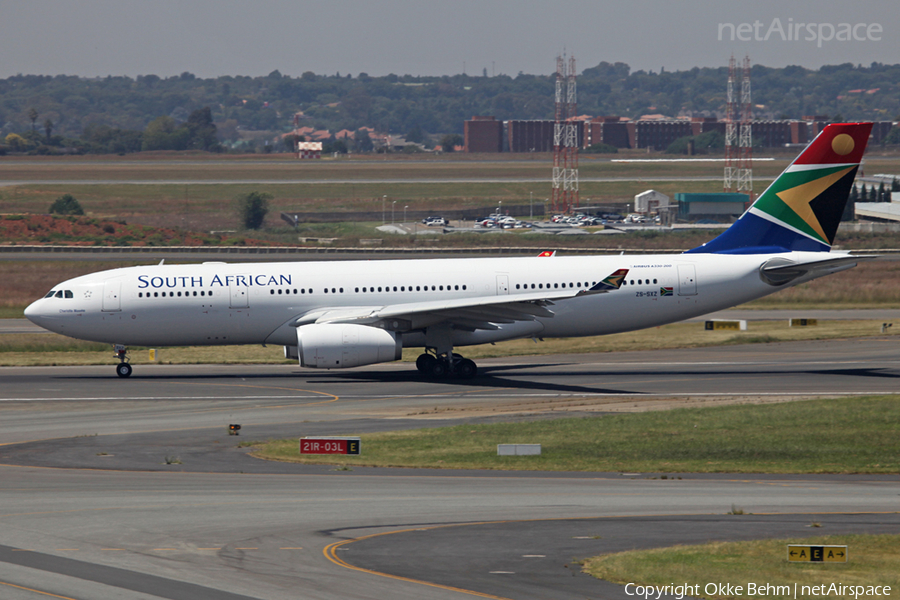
(254, 37)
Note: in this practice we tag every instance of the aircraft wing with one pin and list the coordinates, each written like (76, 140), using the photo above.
(779, 271)
(484, 312)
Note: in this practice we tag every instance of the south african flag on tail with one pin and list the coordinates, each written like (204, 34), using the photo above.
(802, 209)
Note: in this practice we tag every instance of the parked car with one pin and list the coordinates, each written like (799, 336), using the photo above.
(435, 221)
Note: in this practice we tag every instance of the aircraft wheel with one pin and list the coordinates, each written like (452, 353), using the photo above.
(437, 369)
(424, 362)
(123, 370)
(466, 369)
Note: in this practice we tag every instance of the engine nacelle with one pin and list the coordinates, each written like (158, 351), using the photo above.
(341, 345)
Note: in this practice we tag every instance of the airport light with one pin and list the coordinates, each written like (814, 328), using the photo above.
(404, 213)
(383, 199)
(392, 211)
(233, 429)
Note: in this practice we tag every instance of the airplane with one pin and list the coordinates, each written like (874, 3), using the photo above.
(343, 314)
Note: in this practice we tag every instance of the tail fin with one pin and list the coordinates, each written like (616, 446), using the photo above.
(802, 209)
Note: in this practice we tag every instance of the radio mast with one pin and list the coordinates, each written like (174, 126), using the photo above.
(565, 138)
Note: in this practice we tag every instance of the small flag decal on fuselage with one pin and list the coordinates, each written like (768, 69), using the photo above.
(666, 291)
(612, 282)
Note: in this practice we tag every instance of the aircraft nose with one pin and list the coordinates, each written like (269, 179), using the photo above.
(33, 312)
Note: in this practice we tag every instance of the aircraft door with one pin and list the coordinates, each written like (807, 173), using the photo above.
(112, 295)
(240, 296)
(687, 280)
(502, 285)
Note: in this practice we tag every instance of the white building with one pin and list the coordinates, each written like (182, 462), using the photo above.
(650, 201)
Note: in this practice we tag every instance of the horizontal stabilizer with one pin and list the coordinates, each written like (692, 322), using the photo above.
(780, 271)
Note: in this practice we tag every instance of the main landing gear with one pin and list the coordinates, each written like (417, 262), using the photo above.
(123, 369)
(440, 366)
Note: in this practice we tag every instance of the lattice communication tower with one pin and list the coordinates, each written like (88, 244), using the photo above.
(565, 139)
(738, 132)
(730, 132)
(745, 137)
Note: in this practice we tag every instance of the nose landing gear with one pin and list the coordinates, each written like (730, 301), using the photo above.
(123, 369)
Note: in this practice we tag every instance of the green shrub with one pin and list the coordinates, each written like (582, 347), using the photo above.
(66, 205)
(252, 208)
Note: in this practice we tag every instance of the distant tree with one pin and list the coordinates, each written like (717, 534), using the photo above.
(163, 133)
(290, 142)
(893, 137)
(362, 142)
(450, 141)
(202, 130)
(895, 185)
(415, 135)
(881, 193)
(854, 194)
(66, 205)
(48, 128)
(252, 209)
(33, 115)
(16, 142)
(332, 146)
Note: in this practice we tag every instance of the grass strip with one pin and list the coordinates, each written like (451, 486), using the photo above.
(846, 435)
(874, 560)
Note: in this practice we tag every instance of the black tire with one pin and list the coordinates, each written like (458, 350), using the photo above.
(466, 369)
(437, 369)
(424, 362)
(123, 370)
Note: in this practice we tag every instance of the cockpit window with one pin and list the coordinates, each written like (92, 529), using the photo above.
(69, 294)
(59, 294)
(50, 293)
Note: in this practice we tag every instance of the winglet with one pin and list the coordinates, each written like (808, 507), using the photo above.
(547, 254)
(612, 282)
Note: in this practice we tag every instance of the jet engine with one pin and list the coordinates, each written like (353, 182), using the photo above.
(341, 345)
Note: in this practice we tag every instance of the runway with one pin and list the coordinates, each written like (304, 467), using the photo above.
(91, 509)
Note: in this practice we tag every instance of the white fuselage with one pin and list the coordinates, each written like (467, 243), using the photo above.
(218, 303)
